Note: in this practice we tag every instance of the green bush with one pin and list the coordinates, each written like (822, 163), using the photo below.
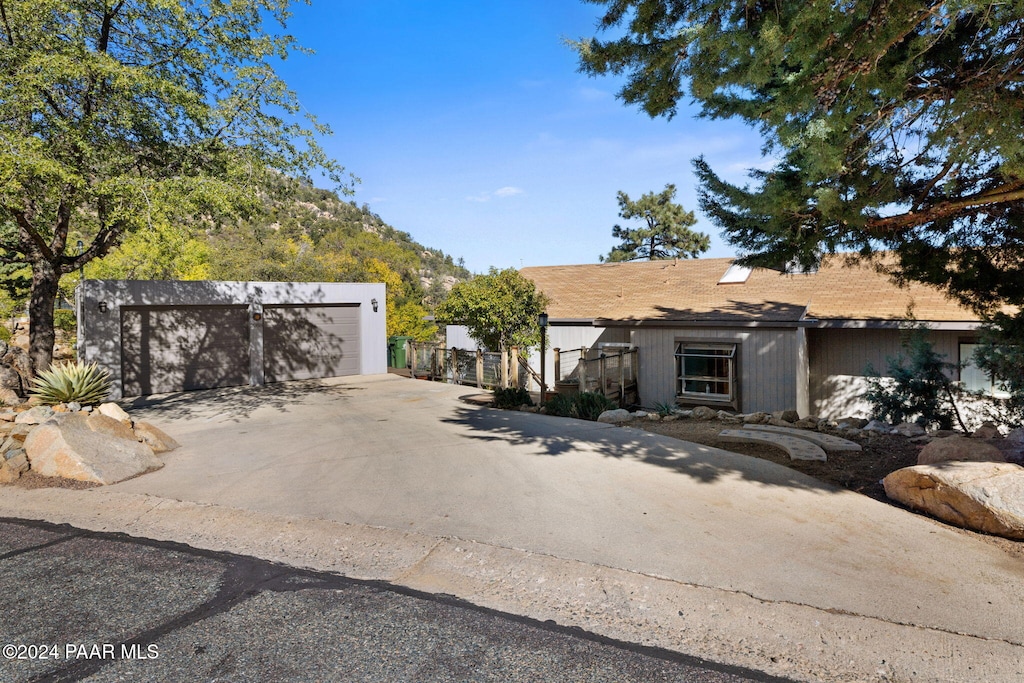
(664, 409)
(919, 387)
(559, 405)
(513, 397)
(72, 381)
(64, 320)
(586, 405)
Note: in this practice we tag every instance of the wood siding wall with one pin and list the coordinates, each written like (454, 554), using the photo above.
(838, 358)
(766, 364)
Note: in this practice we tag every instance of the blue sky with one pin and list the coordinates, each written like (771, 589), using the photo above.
(471, 129)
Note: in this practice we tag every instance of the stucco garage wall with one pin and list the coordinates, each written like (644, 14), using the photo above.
(218, 321)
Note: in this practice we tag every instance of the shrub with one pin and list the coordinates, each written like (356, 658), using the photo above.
(664, 409)
(513, 397)
(919, 387)
(64, 320)
(72, 381)
(586, 405)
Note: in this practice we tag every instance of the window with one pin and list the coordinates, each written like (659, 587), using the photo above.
(706, 372)
(974, 378)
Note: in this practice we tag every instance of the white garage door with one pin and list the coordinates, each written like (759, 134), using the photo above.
(181, 348)
(303, 342)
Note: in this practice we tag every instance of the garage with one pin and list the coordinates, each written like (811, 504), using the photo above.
(183, 348)
(157, 337)
(305, 342)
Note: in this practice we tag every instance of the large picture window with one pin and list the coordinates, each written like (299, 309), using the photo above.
(706, 372)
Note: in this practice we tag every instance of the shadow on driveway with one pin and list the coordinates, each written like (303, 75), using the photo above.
(235, 404)
(554, 436)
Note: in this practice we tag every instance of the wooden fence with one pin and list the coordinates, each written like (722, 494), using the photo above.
(613, 373)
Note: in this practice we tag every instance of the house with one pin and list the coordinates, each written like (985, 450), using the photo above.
(164, 336)
(712, 333)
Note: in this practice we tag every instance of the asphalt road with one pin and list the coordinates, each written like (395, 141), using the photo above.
(79, 605)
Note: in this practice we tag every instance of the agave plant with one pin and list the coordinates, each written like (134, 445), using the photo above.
(72, 382)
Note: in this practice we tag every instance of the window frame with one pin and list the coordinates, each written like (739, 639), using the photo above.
(732, 399)
(991, 388)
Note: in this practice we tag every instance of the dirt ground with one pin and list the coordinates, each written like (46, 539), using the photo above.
(860, 472)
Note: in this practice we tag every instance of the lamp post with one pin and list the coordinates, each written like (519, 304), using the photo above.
(542, 320)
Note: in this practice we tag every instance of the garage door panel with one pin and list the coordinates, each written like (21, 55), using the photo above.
(184, 348)
(303, 342)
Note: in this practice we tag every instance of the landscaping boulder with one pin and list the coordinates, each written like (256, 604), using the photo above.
(614, 416)
(851, 423)
(910, 429)
(704, 413)
(959, 448)
(757, 418)
(983, 496)
(878, 427)
(15, 374)
(157, 439)
(988, 430)
(115, 411)
(789, 416)
(34, 416)
(68, 446)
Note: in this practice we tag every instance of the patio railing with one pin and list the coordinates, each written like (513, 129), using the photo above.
(613, 373)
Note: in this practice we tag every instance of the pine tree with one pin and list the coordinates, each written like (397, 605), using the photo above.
(896, 125)
(664, 232)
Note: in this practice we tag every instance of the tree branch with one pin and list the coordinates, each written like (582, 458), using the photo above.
(882, 227)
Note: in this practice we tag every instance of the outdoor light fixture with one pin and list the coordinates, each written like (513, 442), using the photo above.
(542, 320)
(373, 302)
(102, 306)
(257, 316)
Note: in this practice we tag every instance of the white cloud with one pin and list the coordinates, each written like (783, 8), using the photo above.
(507, 191)
(501, 192)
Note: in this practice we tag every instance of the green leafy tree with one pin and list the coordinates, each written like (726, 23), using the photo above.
(664, 232)
(895, 125)
(121, 115)
(500, 309)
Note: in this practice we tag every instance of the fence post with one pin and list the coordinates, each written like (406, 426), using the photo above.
(622, 377)
(601, 367)
(455, 366)
(412, 366)
(514, 362)
(583, 368)
(479, 369)
(504, 368)
(558, 364)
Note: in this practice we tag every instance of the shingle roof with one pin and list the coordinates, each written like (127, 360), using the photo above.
(689, 290)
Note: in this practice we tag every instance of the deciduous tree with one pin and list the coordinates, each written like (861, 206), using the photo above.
(118, 115)
(664, 231)
(500, 309)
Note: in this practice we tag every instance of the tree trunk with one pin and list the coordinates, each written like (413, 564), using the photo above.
(45, 284)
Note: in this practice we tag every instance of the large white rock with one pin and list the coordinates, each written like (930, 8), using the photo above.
(155, 438)
(959, 448)
(115, 411)
(910, 429)
(983, 496)
(70, 447)
(614, 416)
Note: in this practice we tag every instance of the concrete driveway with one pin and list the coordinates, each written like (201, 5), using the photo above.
(616, 530)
